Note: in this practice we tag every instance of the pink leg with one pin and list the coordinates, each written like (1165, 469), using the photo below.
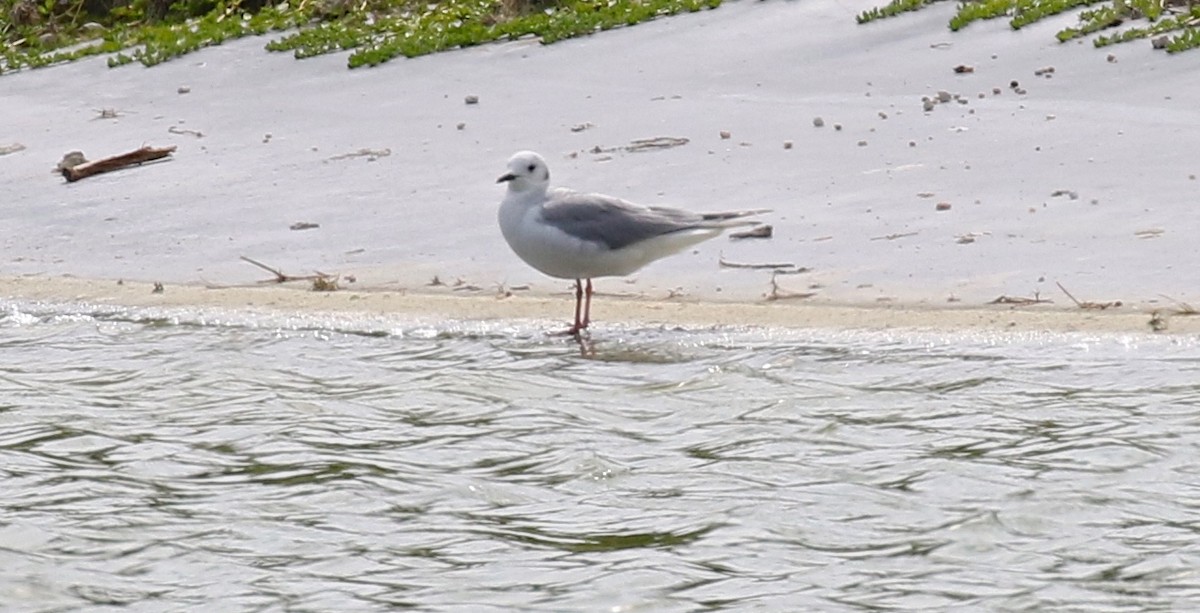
(587, 308)
(578, 325)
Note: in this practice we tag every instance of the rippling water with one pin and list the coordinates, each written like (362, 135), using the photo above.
(176, 461)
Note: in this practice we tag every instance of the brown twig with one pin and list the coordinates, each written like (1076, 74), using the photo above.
(892, 237)
(1088, 304)
(116, 162)
(1021, 301)
(727, 264)
(760, 231)
(280, 277)
(1182, 308)
(778, 293)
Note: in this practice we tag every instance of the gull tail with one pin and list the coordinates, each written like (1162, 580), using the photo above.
(727, 218)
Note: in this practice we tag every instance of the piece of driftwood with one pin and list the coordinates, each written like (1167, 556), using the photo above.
(116, 162)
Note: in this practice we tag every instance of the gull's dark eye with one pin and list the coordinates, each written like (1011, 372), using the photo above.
(532, 167)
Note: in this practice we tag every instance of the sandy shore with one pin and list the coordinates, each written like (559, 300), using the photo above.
(552, 311)
(903, 216)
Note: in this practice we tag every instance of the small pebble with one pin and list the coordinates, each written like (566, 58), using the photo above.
(1112, 58)
(818, 122)
(963, 69)
(942, 206)
(787, 144)
(862, 143)
(183, 89)
(1013, 84)
(912, 143)
(882, 115)
(943, 96)
(837, 127)
(928, 105)
(725, 135)
(461, 125)
(472, 99)
(1020, 90)
(996, 91)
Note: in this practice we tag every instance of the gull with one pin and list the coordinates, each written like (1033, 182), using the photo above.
(572, 235)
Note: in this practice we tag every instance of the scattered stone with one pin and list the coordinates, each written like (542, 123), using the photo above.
(266, 137)
(582, 126)
(837, 127)
(882, 115)
(725, 135)
(1073, 195)
(963, 69)
(304, 225)
(69, 161)
(927, 105)
(1021, 91)
(982, 95)
(461, 125)
(787, 144)
(1043, 71)
(472, 99)
(996, 91)
(942, 206)
(1112, 58)
(912, 143)
(183, 89)
(818, 122)
(924, 194)
(944, 96)
(1013, 84)
(1159, 42)
(862, 143)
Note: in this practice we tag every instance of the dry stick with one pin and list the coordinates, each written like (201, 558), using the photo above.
(116, 162)
(778, 293)
(279, 276)
(1088, 304)
(1064, 290)
(1182, 308)
(1037, 299)
(727, 264)
(892, 237)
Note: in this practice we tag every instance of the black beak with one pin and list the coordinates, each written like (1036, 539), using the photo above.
(508, 177)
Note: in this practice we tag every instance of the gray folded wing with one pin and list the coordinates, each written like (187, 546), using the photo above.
(613, 222)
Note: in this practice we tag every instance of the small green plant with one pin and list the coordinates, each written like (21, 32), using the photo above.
(1031, 11)
(1188, 39)
(893, 8)
(983, 9)
(1163, 16)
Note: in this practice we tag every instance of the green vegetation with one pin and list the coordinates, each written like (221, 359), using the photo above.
(893, 8)
(36, 34)
(1162, 16)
